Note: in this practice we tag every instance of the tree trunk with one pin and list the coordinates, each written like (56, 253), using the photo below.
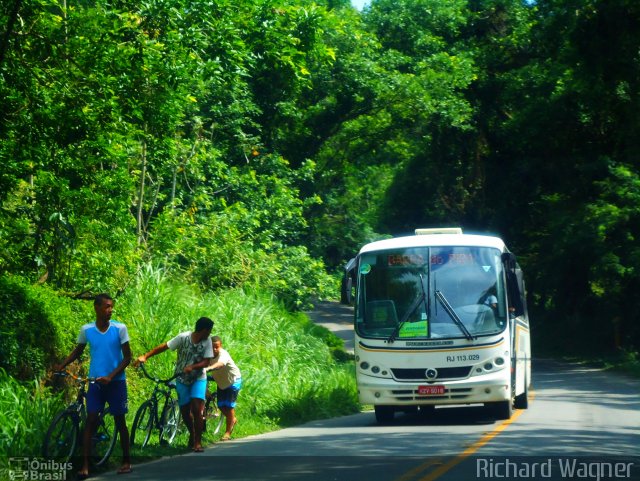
(143, 175)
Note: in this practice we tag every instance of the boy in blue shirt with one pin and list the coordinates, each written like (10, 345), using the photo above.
(110, 354)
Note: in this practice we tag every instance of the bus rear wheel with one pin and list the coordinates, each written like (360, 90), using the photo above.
(384, 414)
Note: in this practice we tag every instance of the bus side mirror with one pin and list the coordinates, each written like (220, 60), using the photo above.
(346, 296)
(348, 278)
(509, 260)
(515, 284)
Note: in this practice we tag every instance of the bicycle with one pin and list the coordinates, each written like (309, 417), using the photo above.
(147, 417)
(64, 433)
(212, 411)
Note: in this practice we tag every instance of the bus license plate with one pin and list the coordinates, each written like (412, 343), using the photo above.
(430, 390)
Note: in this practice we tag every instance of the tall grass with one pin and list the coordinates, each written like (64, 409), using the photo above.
(25, 413)
(289, 376)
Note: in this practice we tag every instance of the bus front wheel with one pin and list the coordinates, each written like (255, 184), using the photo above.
(384, 414)
(522, 400)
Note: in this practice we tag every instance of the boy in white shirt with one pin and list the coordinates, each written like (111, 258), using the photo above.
(228, 378)
(194, 354)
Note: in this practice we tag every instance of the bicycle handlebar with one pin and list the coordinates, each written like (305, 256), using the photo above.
(73, 376)
(155, 379)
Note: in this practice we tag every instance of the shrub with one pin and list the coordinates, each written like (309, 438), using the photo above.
(215, 254)
(36, 327)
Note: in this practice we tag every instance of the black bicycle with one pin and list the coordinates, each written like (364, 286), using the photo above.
(149, 417)
(65, 431)
(212, 411)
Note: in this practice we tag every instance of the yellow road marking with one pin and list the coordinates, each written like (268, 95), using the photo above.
(417, 470)
(464, 455)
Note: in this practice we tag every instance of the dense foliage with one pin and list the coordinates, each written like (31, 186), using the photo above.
(252, 143)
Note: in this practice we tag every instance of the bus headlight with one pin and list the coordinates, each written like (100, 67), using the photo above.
(487, 366)
(379, 371)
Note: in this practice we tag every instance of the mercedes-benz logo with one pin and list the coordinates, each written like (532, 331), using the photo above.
(431, 373)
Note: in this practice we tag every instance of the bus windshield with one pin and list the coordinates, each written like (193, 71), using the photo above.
(431, 292)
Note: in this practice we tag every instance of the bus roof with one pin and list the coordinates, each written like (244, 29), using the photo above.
(436, 240)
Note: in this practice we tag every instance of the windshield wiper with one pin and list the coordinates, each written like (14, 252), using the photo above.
(453, 315)
(421, 298)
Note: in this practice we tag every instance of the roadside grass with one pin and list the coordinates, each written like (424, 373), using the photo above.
(290, 374)
(624, 362)
(554, 345)
(25, 413)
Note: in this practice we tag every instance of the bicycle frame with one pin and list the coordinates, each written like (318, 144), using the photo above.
(163, 387)
(159, 394)
(62, 438)
(78, 406)
(149, 416)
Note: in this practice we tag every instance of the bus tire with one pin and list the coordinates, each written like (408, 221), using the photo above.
(522, 400)
(384, 414)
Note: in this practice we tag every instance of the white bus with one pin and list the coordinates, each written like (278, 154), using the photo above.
(440, 319)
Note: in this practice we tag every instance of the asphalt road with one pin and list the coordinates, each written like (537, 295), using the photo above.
(582, 423)
(337, 318)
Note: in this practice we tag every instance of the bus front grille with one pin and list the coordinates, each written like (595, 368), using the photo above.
(420, 373)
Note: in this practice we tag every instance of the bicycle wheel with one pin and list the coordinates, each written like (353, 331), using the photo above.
(169, 421)
(104, 439)
(212, 414)
(62, 437)
(142, 424)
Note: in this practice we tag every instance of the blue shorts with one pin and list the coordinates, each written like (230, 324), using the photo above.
(187, 392)
(114, 394)
(227, 397)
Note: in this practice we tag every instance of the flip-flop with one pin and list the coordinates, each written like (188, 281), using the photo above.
(125, 470)
(226, 437)
(198, 450)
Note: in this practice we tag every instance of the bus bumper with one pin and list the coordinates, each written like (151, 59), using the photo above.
(478, 389)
